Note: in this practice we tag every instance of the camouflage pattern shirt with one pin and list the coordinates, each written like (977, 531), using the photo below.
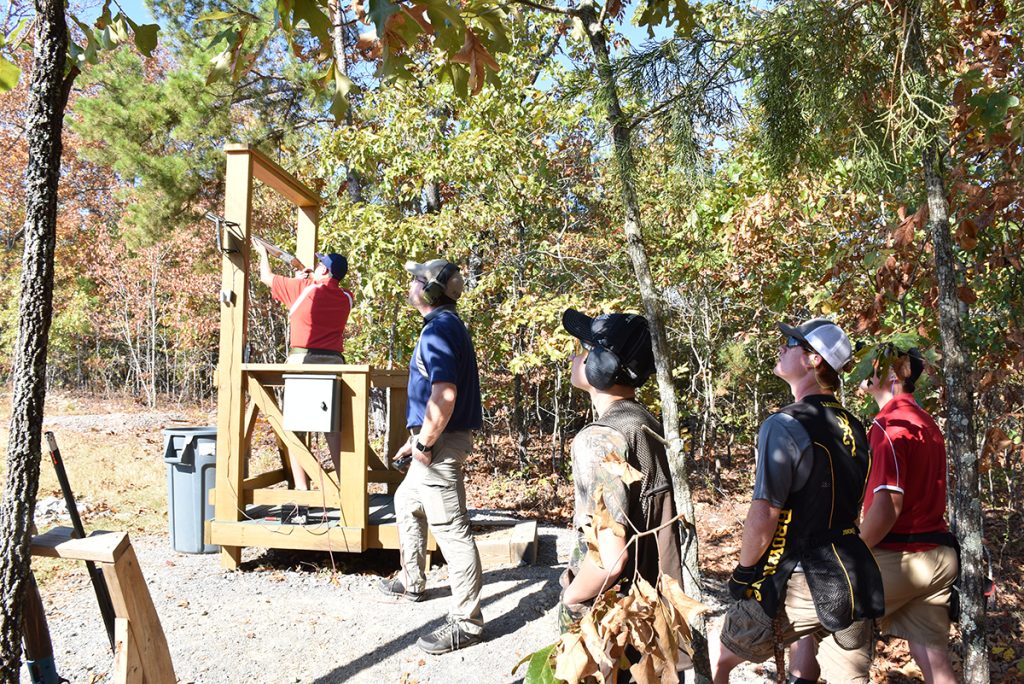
(591, 448)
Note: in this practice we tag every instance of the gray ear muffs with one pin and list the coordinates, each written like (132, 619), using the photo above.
(435, 287)
(602, 367)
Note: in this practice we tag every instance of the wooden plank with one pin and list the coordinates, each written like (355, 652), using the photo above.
(271, 411)
(391, 379)
(398, 434)
(280, 497)
(393, 476)
(127, 659)
(275, 536)
(272, 175)
(99, 546)
(374, 460)
(271, 477)
(524, 541)
(124, 578)
(278, 369)
(354, 500)
(386, 537)
(233, 317)
(306, 235)
(249, 421)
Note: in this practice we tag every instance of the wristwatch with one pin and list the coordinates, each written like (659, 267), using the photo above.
(420, 447)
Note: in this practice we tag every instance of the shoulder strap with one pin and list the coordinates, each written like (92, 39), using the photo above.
(298, 300)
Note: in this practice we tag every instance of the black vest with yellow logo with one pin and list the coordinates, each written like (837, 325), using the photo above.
(817, 525)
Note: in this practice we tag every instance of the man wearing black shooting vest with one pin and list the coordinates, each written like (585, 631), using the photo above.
(614, 358)
(803, 569)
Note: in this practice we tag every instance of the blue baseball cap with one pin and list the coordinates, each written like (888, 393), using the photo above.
(336, 264)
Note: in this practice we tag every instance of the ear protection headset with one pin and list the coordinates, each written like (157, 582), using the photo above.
(604, 368)
(435, 287)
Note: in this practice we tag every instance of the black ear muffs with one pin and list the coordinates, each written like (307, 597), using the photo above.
(602, 368)
(435, 287)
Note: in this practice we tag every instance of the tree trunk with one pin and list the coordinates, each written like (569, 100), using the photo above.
(632, 227)
(961, 442)
(355, 187)
(47, 99)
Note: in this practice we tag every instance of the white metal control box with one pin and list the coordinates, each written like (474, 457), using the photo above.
(312, 403)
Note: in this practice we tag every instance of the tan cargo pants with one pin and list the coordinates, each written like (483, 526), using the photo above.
(435, 495)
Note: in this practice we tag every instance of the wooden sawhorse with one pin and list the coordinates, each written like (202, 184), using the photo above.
(140, 653)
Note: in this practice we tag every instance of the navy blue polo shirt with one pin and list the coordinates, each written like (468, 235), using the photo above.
(444, 353)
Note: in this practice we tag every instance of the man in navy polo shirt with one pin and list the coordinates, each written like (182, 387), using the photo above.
(442, 411)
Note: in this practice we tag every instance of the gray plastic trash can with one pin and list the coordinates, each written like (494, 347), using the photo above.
(191, 456)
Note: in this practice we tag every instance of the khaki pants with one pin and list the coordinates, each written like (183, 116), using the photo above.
(435, 495)
(750, 634)
(916, 604)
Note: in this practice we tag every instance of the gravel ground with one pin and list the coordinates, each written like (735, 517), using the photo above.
(287, 617)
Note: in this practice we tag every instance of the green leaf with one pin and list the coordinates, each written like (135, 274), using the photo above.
(319, 24)
(145, 38)
(9, 74)
(379, 11)
(539, 670)
(215, 16)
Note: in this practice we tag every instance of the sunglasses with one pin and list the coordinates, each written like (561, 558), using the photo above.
(581, 346)
(419, 279)
(794, 342)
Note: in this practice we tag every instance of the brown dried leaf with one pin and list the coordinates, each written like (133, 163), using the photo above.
(615, 464)
(644, 672)
(687, 607)
(573, 661)
(967, 234)
(474, 54)
(996, 442)
(602, 519)
(966, 294)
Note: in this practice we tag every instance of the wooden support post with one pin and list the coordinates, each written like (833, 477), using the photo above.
(354, 499)
(234, 303)
(133, 605)
(306, 236)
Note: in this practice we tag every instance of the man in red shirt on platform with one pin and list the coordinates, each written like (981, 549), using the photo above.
(318, 309)
(905, 523)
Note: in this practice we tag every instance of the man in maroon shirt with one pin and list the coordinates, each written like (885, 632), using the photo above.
(318, 309)
(905, 501)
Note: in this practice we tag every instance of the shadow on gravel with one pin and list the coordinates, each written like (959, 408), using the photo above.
(544, 575)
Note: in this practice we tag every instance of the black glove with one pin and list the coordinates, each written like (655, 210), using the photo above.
(739, 581)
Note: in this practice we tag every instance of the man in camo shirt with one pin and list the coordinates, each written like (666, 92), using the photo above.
(613, 359)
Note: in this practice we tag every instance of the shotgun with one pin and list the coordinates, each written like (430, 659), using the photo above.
(99, 584)
(275, 251)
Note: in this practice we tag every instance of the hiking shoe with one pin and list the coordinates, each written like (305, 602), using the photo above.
(449, 637)
(394, 587)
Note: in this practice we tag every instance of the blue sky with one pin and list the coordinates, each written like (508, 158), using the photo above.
(136, 9)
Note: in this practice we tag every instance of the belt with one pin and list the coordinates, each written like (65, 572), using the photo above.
(313, 350)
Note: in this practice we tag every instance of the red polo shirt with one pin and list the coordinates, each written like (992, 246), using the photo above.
(908, 455)
(318, 311)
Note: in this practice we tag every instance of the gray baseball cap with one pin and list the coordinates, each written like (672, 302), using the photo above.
(824, 337)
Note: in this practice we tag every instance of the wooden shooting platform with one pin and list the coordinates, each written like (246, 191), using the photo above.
(349, 518)
(140, 647)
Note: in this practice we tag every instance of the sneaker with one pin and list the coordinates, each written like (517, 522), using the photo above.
(450, 637)
(394, 587)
